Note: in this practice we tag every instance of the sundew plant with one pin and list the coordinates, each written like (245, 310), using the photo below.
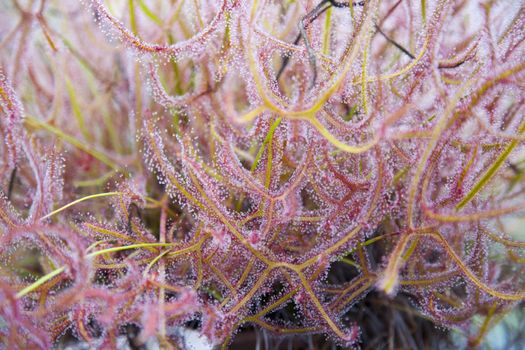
(235, 165)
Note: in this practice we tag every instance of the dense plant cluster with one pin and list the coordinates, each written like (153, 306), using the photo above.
(237, 163)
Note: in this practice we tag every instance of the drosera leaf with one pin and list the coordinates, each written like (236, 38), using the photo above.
(77, 111)
(237, 217)
(93, 196)
(424, 11)
(149, 13)
(38, 124)
(95, 182)
(33, 286)
(267, 139)
(489, 174)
